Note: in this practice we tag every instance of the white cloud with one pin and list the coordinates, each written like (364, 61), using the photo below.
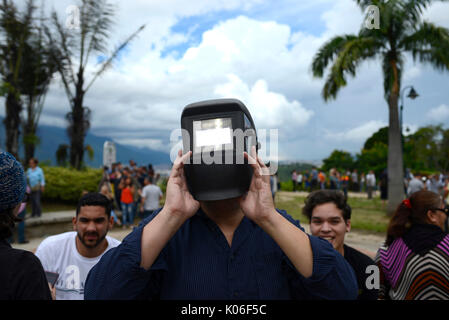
(439, 113)
(359, 134)
(344, 17)
(438, 13)
(411, 72)
(268, 109)
(265, 63)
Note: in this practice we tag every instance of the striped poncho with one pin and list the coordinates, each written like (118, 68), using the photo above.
(415, 266)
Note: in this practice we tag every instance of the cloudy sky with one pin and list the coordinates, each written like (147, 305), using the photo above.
(258, 51)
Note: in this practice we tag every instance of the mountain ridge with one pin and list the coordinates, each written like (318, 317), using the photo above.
(51, 137)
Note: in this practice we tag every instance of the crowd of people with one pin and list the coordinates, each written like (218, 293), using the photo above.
(240, 248)
(132, 189)
(347, 180)
(344, 180)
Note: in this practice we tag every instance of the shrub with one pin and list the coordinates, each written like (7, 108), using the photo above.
(67, 185)
(163, 184)
(287, 186)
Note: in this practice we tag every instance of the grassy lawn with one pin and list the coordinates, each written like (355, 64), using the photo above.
(366, 214)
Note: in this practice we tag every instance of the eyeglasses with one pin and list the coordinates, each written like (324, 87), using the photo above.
(26, 197)
(444, 210)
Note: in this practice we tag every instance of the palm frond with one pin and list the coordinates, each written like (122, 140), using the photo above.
(412, 10)
(429, 44)
(97, 23)
(328, 52)
(351, 54)
(109, 61)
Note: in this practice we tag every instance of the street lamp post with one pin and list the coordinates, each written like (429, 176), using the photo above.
(412, 95)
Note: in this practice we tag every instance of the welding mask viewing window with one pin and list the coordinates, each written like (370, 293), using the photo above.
(218, 132)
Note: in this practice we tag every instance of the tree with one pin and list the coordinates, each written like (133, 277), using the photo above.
(374, 158)
(381, 136)
(401, 30)
(16, 29)
(62, 153)
(27, 68)
(339, 159)
(444, 161)
(80, 43)
(39, 67)
(425, 149)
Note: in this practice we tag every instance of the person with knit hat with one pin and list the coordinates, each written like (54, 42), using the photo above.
(21, 274)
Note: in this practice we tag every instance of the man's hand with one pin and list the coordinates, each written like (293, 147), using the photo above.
(52, 291)
(42, 189)
(258, 204)
(179, 206)
(179, 202)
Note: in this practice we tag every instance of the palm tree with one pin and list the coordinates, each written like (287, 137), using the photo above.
(27, 70)
(15, 28)
(39, 67)
(78, 45)
(402, 31)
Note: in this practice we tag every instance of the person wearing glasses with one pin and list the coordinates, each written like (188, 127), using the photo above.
(414, 261)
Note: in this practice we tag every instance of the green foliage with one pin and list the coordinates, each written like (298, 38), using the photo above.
(66, 185)
(90, 151)
(381, 136)
(287, 185)
(339, 159)
(3, 89)
(62, 154)
(285, 170)
(31, 139)
(163, 185)
(427, 149)
(374, 158)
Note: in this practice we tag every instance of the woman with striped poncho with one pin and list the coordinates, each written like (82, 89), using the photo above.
(414, 261)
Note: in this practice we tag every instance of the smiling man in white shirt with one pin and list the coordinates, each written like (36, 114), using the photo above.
(73, 254)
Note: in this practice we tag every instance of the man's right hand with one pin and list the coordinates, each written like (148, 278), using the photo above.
(179, 206)
(179, 202)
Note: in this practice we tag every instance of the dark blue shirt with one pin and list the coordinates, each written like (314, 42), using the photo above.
(197, 263)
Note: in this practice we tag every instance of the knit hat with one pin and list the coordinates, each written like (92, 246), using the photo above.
(12, 181)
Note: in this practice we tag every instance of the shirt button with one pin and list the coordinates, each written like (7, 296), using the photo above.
(232, 256)
(236, 294)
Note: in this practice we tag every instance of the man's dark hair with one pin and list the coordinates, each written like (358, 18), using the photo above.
(319, 197)
(95, 199)
(149, 179)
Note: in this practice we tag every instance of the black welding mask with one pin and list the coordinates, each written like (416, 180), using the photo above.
(218, 132)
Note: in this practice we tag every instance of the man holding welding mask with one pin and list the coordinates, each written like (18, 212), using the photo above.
(219, 235)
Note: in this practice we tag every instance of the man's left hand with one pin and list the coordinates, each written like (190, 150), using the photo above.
(257, 204)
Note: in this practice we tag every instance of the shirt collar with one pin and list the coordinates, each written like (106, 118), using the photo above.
(243, 230)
